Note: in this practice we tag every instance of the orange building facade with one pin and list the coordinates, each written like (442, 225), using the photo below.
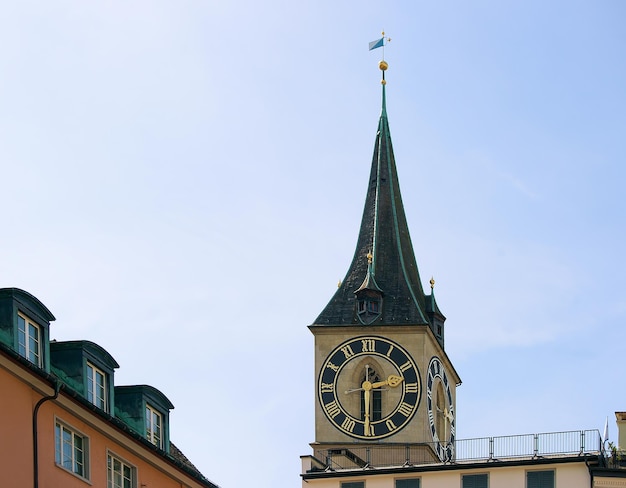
(64, 423)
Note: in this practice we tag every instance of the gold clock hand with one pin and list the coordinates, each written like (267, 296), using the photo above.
(448, 414)
(367, 387)
(367, 411)
(392, 381)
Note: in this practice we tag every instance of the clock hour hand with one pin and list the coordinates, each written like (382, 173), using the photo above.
(392, 381)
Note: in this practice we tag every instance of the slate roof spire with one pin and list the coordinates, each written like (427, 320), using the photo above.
(383, 269)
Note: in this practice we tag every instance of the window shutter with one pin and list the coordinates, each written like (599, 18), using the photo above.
(408, 483)
(475, 481)
(353, 484)
(540, 479)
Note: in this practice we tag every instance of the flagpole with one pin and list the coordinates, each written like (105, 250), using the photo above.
(375, 45)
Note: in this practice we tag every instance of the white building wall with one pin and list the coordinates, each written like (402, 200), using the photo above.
(567, 475)
(573, 475)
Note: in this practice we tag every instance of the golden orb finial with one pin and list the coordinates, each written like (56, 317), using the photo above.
(370, 257)
(383, 67)
(432, 282)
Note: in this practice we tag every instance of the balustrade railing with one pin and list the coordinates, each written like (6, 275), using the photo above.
(529, 445)
(484, 449)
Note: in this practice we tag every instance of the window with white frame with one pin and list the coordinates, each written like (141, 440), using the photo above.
(29, 339)
(154, 426)
(71, 450)
(120, 474)
(97, 387)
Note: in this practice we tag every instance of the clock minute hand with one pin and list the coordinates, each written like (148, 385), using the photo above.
(367, 410)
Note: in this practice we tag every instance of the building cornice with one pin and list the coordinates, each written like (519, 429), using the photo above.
(426, 468)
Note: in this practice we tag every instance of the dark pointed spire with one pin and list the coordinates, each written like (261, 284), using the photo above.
(384, 252)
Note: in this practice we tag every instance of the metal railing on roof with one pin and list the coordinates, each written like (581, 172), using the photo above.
(486, 449)
(575, 442)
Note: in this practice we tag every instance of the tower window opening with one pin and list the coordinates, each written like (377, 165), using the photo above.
(369, 302)
(369, 308)
(369, 305)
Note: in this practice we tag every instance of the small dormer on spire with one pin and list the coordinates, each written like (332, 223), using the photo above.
(369, 297)
(436, 318)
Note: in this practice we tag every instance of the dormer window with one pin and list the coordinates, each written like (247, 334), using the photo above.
(25, 326)
(369, 304)
(29, 339)
(88, 369)
(145, 410)
(369, 297)
(97, 387)
(154, 425)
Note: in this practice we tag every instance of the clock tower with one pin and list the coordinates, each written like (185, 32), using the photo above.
(384, 385)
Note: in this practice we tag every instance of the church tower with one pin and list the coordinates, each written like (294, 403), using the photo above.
(385, 387)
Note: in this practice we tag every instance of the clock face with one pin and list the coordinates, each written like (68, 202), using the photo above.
(369, 387)
(440, 410)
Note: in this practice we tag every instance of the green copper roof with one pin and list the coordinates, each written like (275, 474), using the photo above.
(384, 233)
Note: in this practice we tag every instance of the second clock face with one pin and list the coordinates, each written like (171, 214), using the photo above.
(440, 407)
(369, 387)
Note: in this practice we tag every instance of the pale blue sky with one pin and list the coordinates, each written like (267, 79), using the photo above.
(182, 183)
